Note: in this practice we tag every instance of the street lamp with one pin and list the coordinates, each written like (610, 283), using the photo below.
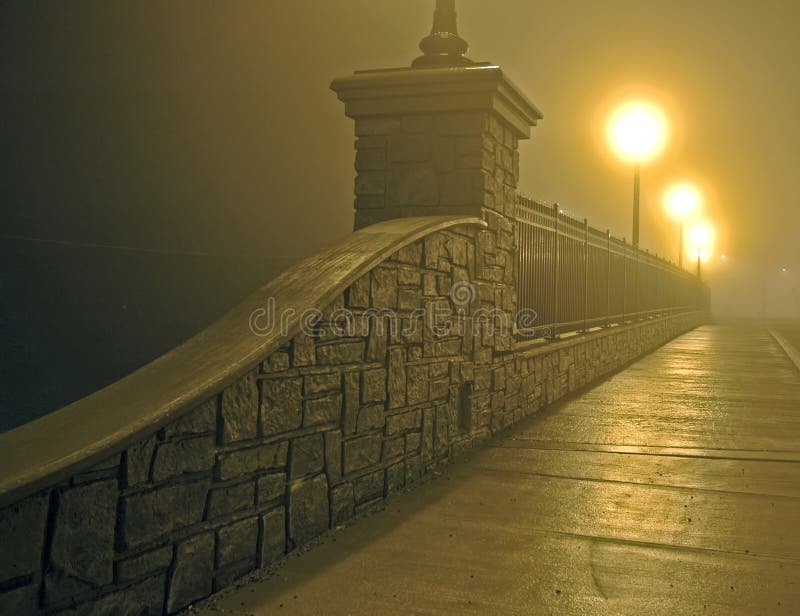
(637, 132)
(701, 236)
(682, 200)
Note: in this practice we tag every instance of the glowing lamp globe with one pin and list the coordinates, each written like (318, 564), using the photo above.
(637, 131)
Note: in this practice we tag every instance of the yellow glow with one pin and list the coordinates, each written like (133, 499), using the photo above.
(682, 200)
(701, 239)
(637, 131)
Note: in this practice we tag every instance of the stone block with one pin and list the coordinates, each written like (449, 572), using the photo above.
(410, 277)
(371, 183)
(333, 457)
(357, 295)
(413, 442)
(340, 353)
(342, 504)
(373, 386)
(144, 565)
(303, 352)
(321, 411)
(393, 448)
(362, 452)
(273, 536)
(370, 159)
(412, 185)
(231, 499)
(277, 362)
(417, 124)
(137, 462)
(368, 487)
(19, 601)
(146, 597)
(459, 188)
(377, 341)
(315, 384)
(245, 462)
(461, 123)
(309, 513)
(409, 299)
(378, 126)
(413, 469)
(403, 422)
(395, 478)
(418, 385)
(240, 410)
(192, 576)
(200, 420)
(307, 456)
(270, 488)
(22, 531)
(383, 288)
(397, 378)
(189, 455)
(281, 405)
(83, 534)
(407, 148)
(371, 418)
(352, 382)
(237, 542)
(160, 512)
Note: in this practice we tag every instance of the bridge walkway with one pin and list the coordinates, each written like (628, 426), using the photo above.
(671, 488)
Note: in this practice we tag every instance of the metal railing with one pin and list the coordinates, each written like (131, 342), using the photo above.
(572, 277)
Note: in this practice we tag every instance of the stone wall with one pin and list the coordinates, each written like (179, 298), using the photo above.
(322, 430)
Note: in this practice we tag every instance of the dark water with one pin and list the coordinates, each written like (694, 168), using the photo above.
(74, 320)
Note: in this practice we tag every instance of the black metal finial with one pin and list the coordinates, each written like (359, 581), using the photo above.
(443, 47)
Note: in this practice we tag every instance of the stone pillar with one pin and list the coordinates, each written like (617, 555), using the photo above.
(436, 141)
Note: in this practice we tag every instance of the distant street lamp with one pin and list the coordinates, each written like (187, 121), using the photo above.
(682, 200)
(701, 236)
(637, 133)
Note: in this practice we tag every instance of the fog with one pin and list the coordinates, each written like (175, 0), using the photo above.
(161, 160)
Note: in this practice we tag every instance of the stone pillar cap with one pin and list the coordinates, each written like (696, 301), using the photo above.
(482, 87)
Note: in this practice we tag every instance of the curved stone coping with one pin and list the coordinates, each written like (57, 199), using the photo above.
(52, 448)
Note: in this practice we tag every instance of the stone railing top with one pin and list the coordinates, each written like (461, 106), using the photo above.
(47, 450)
(451, 89)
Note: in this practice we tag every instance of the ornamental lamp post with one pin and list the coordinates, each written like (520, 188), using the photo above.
(682, 201)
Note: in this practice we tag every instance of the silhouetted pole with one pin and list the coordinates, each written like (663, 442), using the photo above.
(699, 272)
(680, 248)
(636, 206)
(443, 47)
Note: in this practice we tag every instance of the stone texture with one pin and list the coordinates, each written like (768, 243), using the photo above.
(144, 598)
(373, 386)
(237, 542)
(281, 405)
(397, 378)
(333, 457)
(200, 420)
(324, 410)
(160, 512)
(368, 487)
(351, 402)
(83, 533)
(190, 455)
(252, 460)
(191, 578)
(138, 460)
(240, 410)
(341, 352)
(231, 499)
(309, 514)
(370, 418)
(270, 488)
(342, 504)
(22, 531)
(143, 565)
(19, 601)
(362, 452)
(273, 536)
(315, 384)
(307, 456)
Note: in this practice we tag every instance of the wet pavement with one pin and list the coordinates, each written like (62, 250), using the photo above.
(671, 488)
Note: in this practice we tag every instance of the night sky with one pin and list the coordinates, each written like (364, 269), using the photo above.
(160, 160)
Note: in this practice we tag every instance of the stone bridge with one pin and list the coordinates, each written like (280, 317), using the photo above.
(365, 370)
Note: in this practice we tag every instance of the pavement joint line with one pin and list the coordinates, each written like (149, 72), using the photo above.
(670, 546)
(489, 470)
(652, 450)
(787, 347)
